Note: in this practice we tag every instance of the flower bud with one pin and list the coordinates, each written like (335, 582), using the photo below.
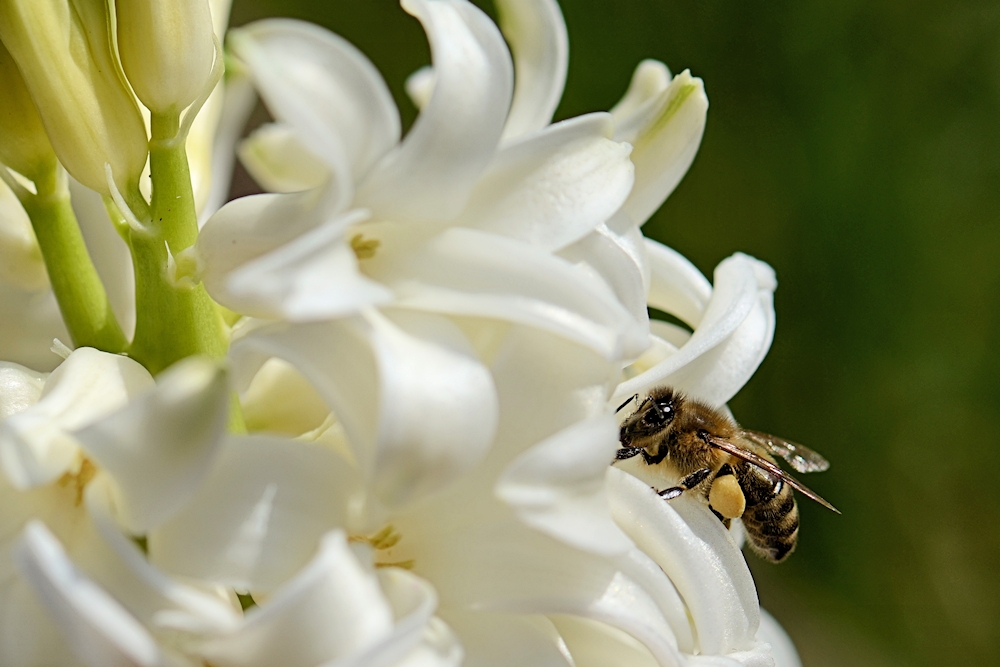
(63, 50)
(24, 146)
(166, 49)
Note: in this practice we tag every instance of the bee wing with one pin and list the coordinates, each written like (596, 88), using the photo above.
(798, 456)
(770, 467)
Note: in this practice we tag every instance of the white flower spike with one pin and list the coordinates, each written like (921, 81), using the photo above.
(390, 442)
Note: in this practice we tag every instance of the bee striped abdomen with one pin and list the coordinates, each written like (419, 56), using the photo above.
(771, 518)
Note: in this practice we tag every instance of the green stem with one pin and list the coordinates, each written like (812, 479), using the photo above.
(173, 321)
(78, 289)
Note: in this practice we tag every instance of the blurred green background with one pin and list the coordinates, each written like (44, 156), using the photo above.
(855, 146)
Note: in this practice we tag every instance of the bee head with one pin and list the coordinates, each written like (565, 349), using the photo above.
(652, 418)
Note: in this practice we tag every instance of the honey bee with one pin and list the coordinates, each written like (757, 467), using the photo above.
(733, 469)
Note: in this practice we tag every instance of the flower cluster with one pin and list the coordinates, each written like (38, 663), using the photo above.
(365, 418)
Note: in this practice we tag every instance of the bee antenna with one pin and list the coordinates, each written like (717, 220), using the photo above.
(634, 397)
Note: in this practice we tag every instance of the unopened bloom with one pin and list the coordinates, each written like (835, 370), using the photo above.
(63, 50)
(166, 50)
(24, 146)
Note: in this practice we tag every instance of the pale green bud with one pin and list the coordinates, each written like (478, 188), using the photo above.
(24, 146)
(166, 49)
(63, 50)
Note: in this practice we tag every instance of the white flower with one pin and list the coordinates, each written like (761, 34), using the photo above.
(92, 444)
(438, 329)
(444, 221)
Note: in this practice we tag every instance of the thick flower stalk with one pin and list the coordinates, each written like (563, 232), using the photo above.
(366, 417)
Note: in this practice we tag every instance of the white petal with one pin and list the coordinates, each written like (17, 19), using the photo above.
(665, 132)
(555, 186)
(417, 639)
(333, 608)
(500, 640)
(647, 574)
(238, 103)
(730, 341)
(20, 388)
(21, 263)
(431, 174)
(697, 554)
(438, 412)
(594, 644)
(537, 36)
(274, 256)
(277, 160)
(620, 260)
(108, 251)
(35, 445)
(99, 631)
(438, 648)
(417, 410)
(280, 400)
(782, 648)
(160, 447)
(313, 277)
(28, 636)
(249, 227)
(528, 572)
(420, 86)
(676, 286)
(117, 564)
(326, 89)
(259, 515)
(557, 487)
(545, 384)
(469, 272)
(651, 77)
(29, 321)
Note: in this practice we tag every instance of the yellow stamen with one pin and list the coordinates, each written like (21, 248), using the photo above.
(79, 479)
(364, 249)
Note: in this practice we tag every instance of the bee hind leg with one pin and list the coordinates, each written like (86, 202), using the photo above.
(686, 484)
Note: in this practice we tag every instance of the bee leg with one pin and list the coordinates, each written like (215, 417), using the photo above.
(686, 484)
(725, 522)
(628, 452)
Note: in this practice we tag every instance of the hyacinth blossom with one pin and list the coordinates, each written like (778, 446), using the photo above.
(367, 417)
